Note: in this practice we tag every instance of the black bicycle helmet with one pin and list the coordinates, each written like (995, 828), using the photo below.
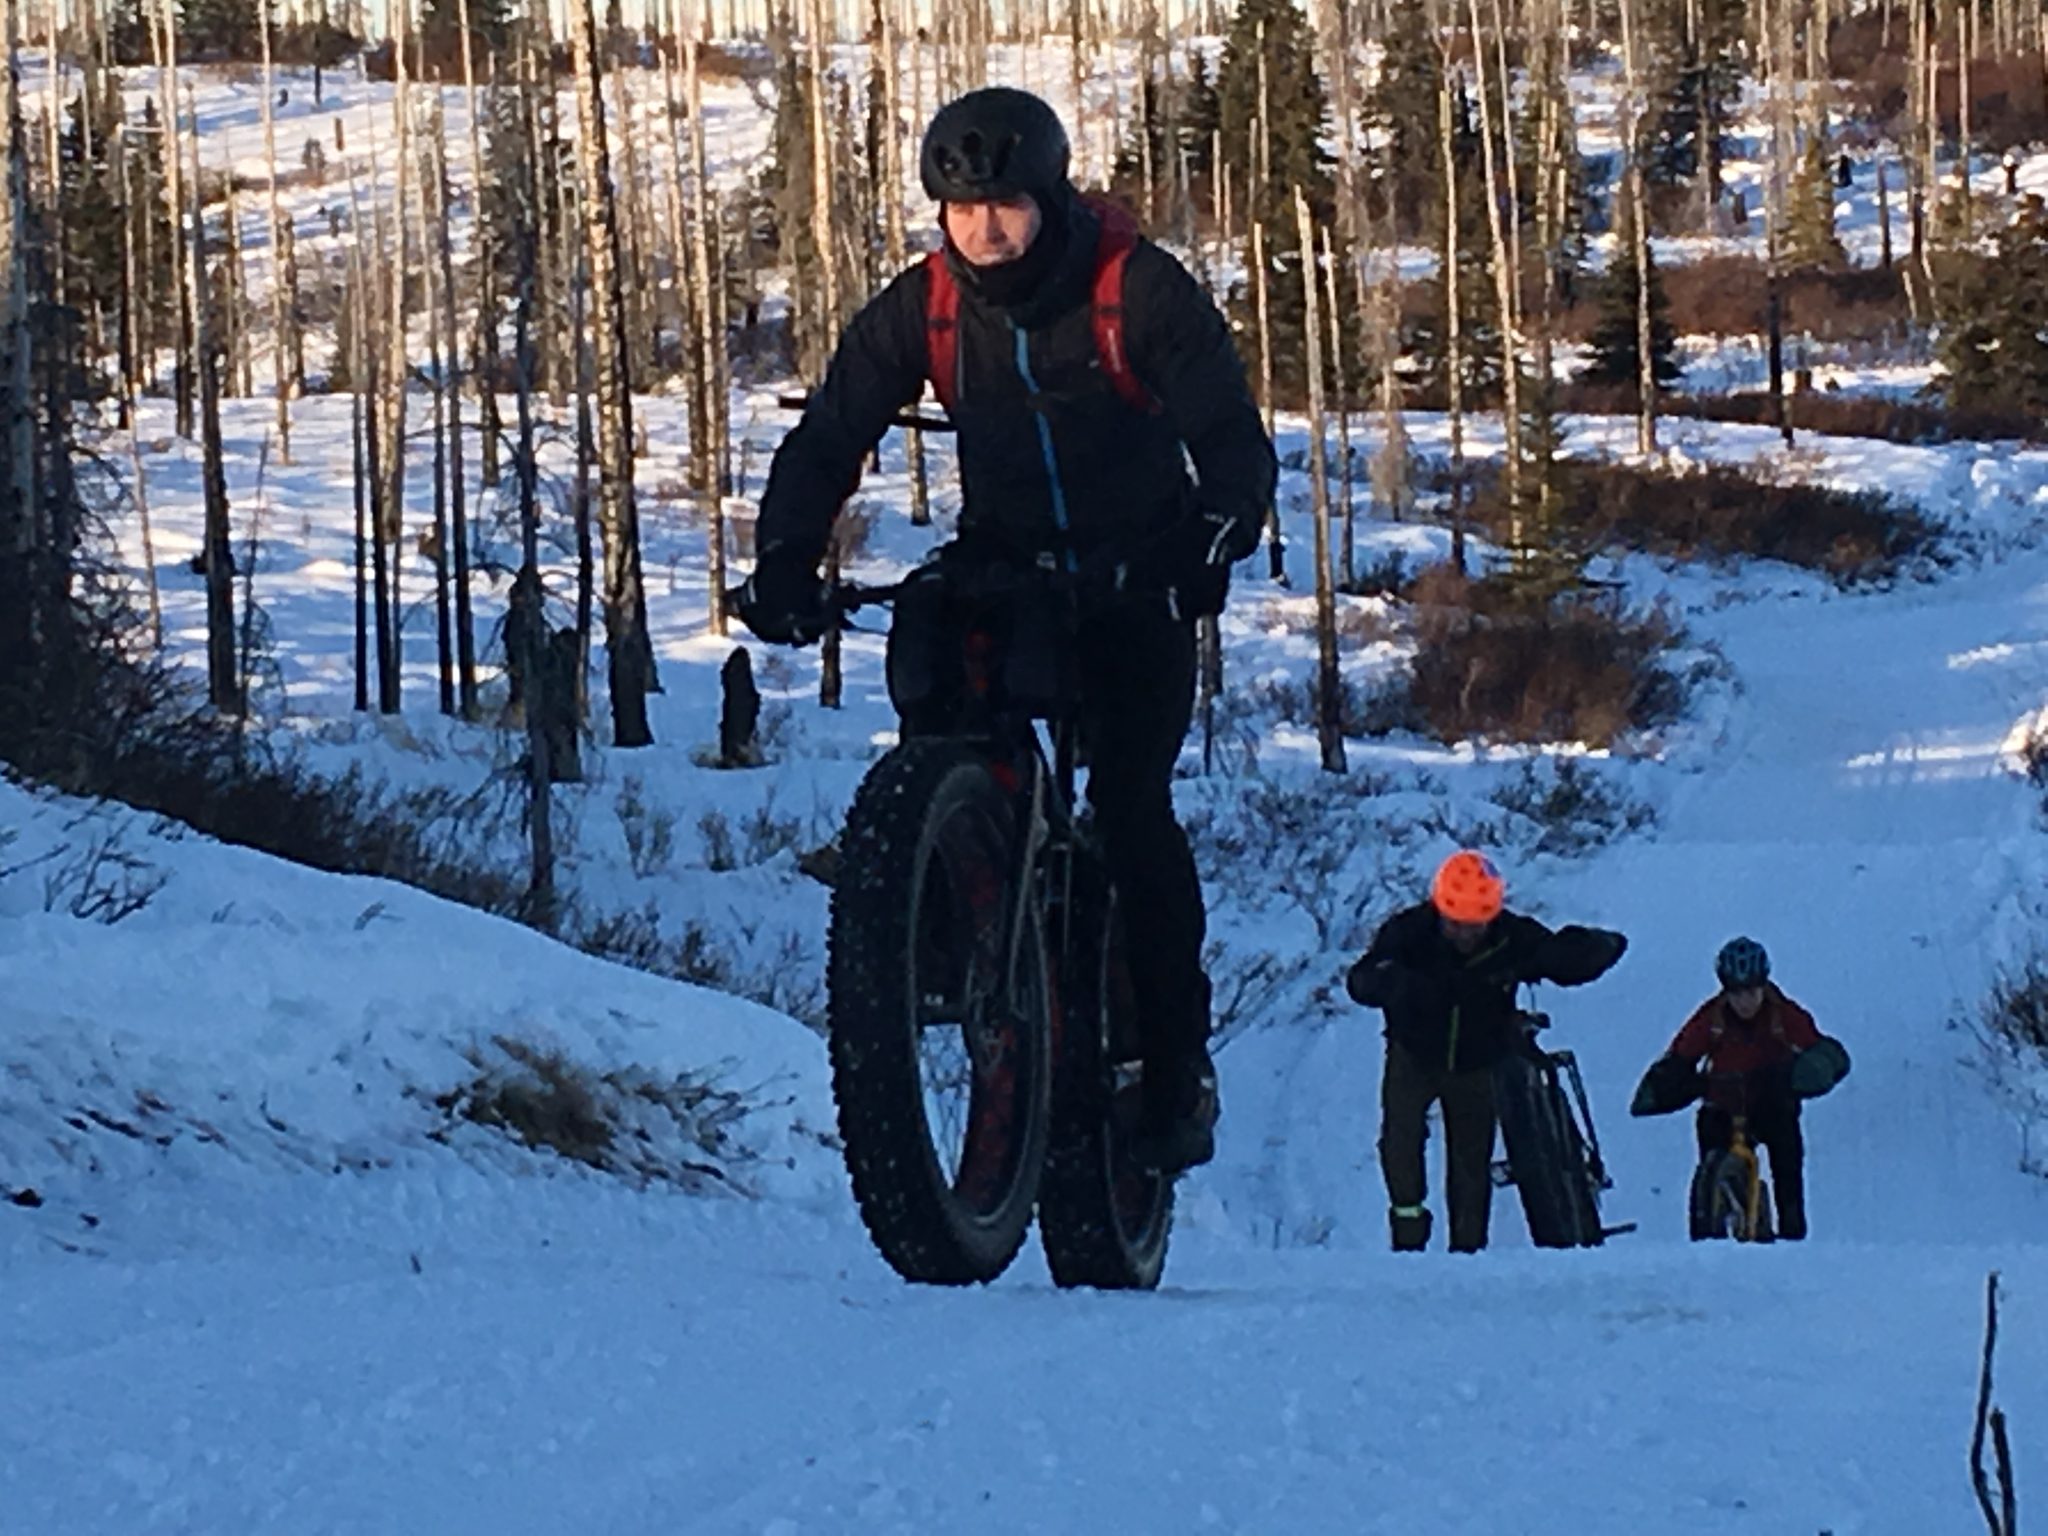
(1742, 963)
(992, 144)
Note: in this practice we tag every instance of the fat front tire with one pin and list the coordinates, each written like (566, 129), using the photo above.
(1546, 1156)
(940, 1029)
(1103, 1220)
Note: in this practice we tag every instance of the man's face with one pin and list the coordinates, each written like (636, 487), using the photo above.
(1465, 938)
(1745, 1001)
(992, 233)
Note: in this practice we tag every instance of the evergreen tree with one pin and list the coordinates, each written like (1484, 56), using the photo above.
(219, 29)
(1616, 358)
(441, 29)
(1297, 111)
(1810, 239)
(1401, 117)
(1297, 114)
(1994, 309)
(1697, 75)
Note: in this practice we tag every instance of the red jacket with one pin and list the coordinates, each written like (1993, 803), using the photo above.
(1735, 1047)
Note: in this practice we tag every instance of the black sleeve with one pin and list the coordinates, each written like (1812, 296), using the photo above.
(1182, 352)
(878, 369)
(1385, 967)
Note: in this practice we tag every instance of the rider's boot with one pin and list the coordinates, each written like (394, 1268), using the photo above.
(1178, 1128)
(1410, 1224)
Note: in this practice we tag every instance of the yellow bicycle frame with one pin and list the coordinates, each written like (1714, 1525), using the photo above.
(1752, 1179)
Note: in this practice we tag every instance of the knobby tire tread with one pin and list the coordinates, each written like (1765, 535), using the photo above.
(1546, 1157)
(898, 1185)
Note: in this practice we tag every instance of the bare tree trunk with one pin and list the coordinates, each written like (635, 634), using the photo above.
(1262, 148)
(1454, 360)
(223, 678)
(1347, 560)
(1646, 361)
(164, 38)
(710, 343)
(455, 547)
(630, 653)
(1504, 279)
(20, 512)
(489, 430)
(1329, 686)
(280, 349)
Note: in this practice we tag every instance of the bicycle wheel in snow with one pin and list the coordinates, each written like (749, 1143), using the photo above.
(940, 1017)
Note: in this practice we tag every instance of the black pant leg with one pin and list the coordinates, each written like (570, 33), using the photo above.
(1138, 680)
(1777, 1129)
(1714, 1129)
(1468, 1156)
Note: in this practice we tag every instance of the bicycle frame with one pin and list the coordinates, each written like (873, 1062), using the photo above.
(1752, 1175)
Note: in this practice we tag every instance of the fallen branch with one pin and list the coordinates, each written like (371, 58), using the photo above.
(2003, 1520)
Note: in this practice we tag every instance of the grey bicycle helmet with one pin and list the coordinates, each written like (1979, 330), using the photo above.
(992, 144)
(1742, 963)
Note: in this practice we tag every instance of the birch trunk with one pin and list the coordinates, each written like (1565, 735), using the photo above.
(1329, 687)
(280, 376)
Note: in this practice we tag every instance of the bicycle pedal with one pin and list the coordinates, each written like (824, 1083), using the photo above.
(1502, 1174)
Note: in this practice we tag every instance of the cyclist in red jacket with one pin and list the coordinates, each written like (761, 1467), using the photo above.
(1749, 1050)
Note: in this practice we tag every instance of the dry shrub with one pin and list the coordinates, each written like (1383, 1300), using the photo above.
(1730, 296)
(1499, 662)
(2006, 95)
(1840, 415)
(1720, 513)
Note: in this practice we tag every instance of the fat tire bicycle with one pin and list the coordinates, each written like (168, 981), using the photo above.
(1552, 1151)
(985, 1049)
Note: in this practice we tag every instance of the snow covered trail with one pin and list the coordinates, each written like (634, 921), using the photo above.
(450, 1352)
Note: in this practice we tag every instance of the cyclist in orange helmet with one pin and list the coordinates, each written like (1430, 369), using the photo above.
(1444, 972)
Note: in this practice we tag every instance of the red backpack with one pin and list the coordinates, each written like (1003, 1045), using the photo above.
(1113, 247)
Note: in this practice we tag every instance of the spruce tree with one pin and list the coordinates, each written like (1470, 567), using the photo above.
(1696, 91)
(1400, 114)
(1994, 311)
(1616, 359)
(218, 29)
(1810, 239)
(1291, 155)
(441, 26)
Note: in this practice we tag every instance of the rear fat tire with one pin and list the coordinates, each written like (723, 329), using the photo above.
(1103, 1221)
(928, 817)
(1546, 1156)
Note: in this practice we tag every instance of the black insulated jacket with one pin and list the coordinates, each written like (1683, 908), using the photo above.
(1122, 472)
(1456, 1012)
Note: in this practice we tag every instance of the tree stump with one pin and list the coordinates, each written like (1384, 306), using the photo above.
(739, 713)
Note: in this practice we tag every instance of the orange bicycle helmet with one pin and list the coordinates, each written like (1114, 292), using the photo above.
(1467, 888)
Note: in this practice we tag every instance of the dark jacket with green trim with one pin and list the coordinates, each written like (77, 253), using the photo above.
(1456, 1011)
(1122, 470)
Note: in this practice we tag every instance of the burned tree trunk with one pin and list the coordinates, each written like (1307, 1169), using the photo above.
(630, 652)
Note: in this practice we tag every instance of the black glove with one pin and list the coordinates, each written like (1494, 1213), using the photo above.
(1390, 985)
(1192, 558)
(1817, 1069)
(784, 601)
(1671, 1083)
(1575, 955)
